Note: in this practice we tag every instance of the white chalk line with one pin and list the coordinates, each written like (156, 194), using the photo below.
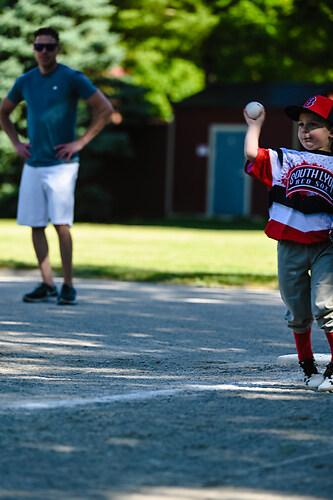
(48, 404)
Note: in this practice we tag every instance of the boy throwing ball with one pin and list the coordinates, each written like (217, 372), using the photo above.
(301, 220)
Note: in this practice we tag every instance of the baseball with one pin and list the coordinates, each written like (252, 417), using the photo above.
(254, 109)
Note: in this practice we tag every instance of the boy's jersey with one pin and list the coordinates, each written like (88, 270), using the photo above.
(52, 108)
(301, 193)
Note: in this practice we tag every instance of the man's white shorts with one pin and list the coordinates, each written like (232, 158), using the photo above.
(46, 195)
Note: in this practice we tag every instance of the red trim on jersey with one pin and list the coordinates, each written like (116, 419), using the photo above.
(261, 168)
(279, 231)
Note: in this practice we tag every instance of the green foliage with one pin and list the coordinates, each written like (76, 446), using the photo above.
(95, 194)
(174, 47)
(107, 159)
(244, 45)
(131, 100)
(267, 40)
(305, 41)
(163, 43)
(168, 81)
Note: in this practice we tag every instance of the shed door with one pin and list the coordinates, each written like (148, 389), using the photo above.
(228, 185)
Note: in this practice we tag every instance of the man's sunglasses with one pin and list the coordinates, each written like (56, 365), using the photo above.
(50, 47)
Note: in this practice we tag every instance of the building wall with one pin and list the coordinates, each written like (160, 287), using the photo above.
(191, 130)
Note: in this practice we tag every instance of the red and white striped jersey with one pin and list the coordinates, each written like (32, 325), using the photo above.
(300, 186)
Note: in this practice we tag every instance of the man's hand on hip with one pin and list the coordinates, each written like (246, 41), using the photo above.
(23, 150)
(66, 151)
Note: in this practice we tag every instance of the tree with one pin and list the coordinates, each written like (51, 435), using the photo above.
(243, 46)
(269, 40)
(163, 41)
(305, 42)
(175, 47)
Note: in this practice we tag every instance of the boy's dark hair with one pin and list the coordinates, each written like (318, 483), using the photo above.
(47, 31)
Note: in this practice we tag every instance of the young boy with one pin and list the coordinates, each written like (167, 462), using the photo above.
(301, 218)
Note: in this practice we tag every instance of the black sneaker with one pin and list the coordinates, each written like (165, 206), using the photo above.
(327, 384)
(312, 378)
(67, 295)
(42, 293)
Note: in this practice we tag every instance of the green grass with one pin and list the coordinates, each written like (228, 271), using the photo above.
(184, 252)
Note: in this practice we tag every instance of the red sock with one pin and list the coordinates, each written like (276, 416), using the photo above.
(329, 336)
(303, 345)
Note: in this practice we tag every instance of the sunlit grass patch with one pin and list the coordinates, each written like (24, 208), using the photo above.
(182, 255)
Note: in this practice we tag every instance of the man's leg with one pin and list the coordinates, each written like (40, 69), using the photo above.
(67, 293)
(42, 252)
(66, 251)
(60, 194)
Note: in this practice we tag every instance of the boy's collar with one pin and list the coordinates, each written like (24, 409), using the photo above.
(319, 152)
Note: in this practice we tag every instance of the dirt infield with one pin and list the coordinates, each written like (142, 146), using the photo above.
(157, 392)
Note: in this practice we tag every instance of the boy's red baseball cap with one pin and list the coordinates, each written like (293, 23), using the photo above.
(318, 104)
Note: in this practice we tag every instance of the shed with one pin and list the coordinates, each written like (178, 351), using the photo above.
(205, 174)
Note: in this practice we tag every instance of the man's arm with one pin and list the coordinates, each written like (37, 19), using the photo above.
(251, 143)
(101, 109)
(22, 149)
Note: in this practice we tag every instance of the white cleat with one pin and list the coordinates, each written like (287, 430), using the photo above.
(314, 381)
(312, 378)
(327, 385)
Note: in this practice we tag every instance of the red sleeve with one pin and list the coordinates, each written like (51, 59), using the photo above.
(261, 168)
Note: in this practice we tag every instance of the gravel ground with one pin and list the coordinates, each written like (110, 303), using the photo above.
(157, 392)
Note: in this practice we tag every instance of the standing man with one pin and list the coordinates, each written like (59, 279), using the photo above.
(51, 92)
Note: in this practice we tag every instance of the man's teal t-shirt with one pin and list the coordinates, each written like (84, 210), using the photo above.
(52, 109)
